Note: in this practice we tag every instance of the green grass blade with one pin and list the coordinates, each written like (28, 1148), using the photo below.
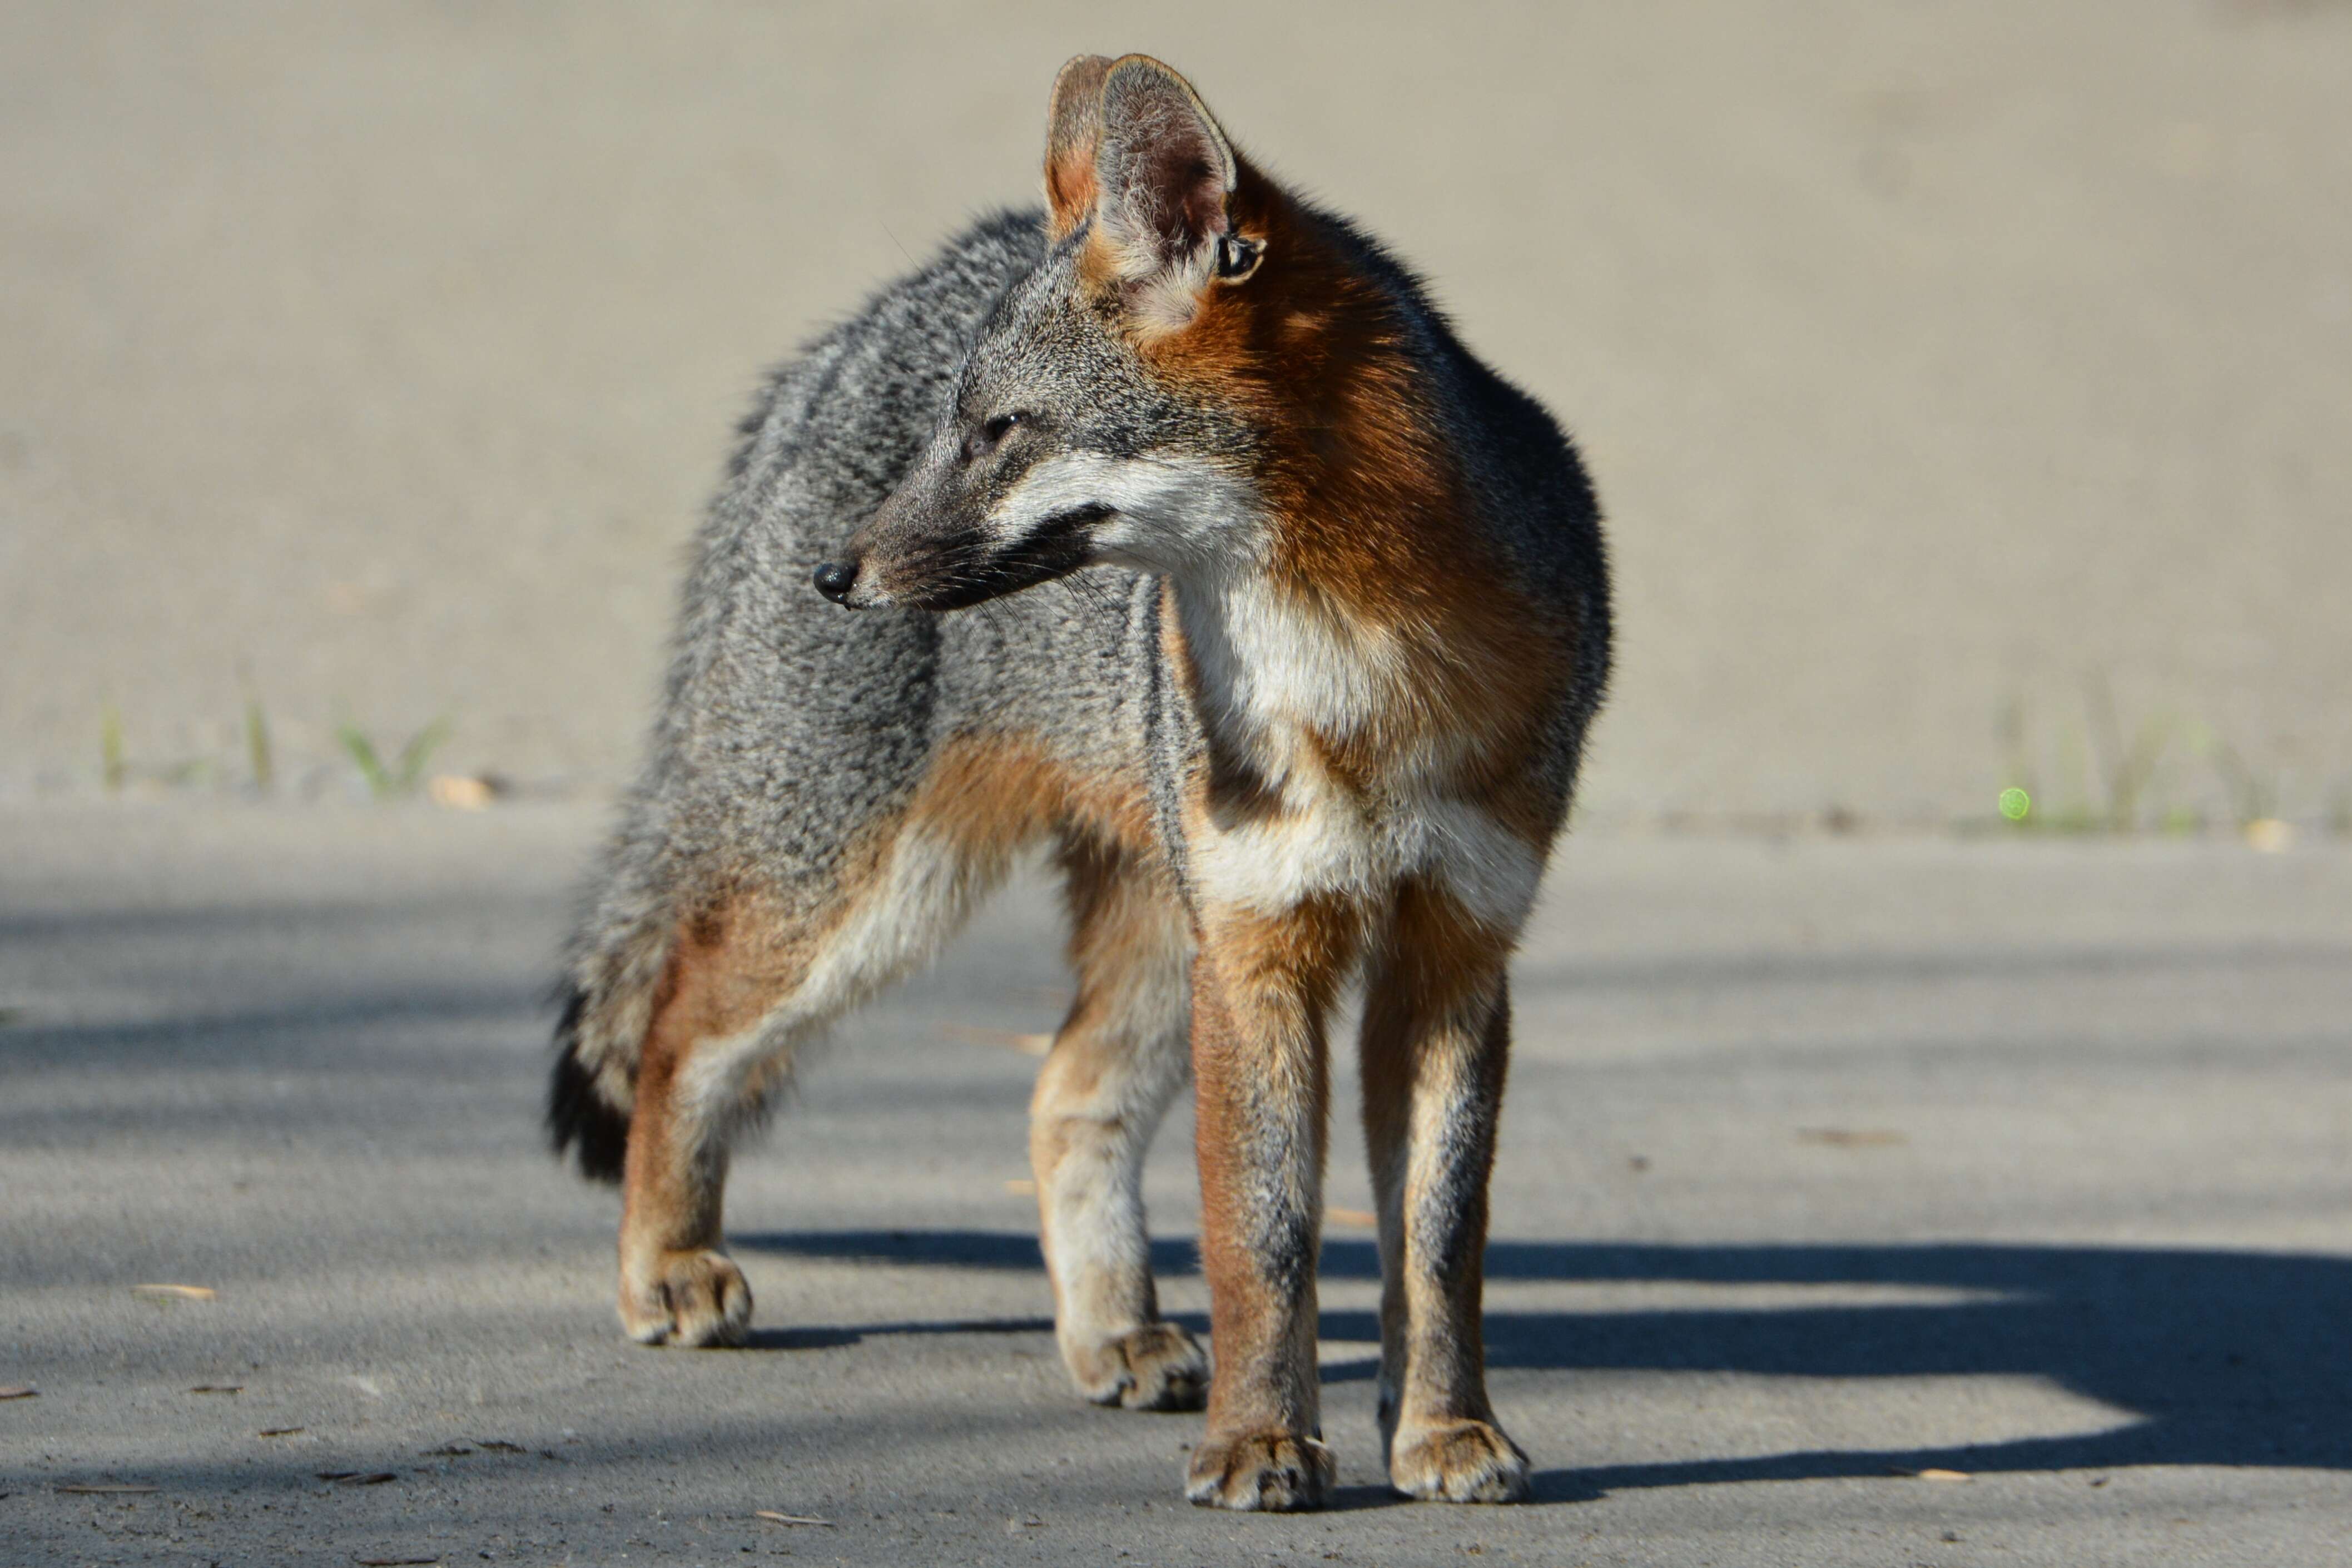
(113, 765)
(419, 751)
(361, 752)
(259, 755)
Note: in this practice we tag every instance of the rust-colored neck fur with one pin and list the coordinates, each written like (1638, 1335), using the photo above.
(1373, 527)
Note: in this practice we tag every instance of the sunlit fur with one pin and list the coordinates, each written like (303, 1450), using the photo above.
(1183, 538)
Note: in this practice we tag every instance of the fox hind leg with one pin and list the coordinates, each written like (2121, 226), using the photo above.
(1118, 1060)
(746, 984)
(728, 972)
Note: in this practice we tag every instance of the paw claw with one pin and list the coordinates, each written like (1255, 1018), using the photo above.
(1155, 1367)
(687, 1299)
(1458, 1461)
(1277, 1472)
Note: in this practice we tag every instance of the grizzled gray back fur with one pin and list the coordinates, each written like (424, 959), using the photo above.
(786, 723)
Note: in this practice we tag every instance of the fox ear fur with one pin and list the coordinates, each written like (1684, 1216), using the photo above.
(1130, 144)
(1073, 128)
(1165, 171)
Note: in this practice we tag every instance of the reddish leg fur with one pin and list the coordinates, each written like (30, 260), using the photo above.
(1262, 988)
(728, 972)
(1435, 1039)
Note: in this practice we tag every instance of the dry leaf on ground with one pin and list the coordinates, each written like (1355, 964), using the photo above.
(461, 792)
(90, 1488)
(1930, 1474)
(19, 1391)
(280, 1431)
(772, 1517)
(357, 1478)
(175, 1292)
(2269, 836)
(219, 1388)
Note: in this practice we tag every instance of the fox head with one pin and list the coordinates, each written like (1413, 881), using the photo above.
(1192, 348)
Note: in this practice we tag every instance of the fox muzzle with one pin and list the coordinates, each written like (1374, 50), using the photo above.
(951, 568)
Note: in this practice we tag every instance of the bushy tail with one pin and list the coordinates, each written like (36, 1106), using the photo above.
(581, 1121)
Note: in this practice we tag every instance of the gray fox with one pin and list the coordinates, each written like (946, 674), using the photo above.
(1311, 716)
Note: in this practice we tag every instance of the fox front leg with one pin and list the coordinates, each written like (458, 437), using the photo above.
(1435, 1038)
(1262, 987)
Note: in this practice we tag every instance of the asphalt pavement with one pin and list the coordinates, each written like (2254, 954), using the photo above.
(1871, 1201)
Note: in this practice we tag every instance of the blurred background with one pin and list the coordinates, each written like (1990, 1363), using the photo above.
(1967, 383)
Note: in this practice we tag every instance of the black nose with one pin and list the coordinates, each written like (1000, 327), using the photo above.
(833, 579)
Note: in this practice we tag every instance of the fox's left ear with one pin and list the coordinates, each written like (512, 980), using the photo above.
(1165, 172)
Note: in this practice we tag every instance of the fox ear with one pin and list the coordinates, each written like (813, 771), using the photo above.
(1164, 171)
(1073, 127)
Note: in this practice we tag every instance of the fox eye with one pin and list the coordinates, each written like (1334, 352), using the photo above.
(991, 433)
(998, 428)
(1238, 257)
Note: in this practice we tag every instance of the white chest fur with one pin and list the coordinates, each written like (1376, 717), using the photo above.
(1271, 676)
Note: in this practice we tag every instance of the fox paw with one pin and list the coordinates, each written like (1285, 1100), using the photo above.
(1276, 1471)
(1155, 1367)
(1458, 1461)
(691, 1299)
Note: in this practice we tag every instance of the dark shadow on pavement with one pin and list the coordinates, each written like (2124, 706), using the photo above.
(820, 1339)
(2225, 1358)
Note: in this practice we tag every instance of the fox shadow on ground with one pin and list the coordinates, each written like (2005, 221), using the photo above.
(2226, 1358)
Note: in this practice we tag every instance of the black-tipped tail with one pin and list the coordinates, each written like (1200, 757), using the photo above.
(580, 1120)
